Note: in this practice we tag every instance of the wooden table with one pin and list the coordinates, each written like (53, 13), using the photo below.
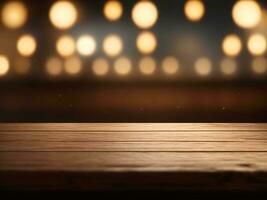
(133, 156)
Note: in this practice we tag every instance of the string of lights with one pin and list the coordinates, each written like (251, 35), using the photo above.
(75, 51)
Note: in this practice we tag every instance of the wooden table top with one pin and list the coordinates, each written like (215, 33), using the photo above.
(133, 156)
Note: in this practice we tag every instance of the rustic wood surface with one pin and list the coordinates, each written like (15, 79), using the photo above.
(133, 156)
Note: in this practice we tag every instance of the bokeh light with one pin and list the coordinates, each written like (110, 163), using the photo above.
(26, 45)
(113, 10)
(86, 45)
(73, 65)
(54, 66)
(112, 45)
(146, 42)
(100, 67)
(123, 66)
(247, 13)
(4, 65)
(257, 44)
(259, 65)
(14, 14)
(228, 66)
(170, 65)
(203, 66)
(147, 65)
(232, 45)
(194, 10)
(22, 65)
(145, 14)
(63, 14)
(65, 46)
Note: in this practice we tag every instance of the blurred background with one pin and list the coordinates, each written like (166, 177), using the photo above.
(133, 61)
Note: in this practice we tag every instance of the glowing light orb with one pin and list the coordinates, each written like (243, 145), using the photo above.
(63, 14)
(65, 46)
(86, 45)
(145, 14)
(113, 10)
(170, 65)
(146, 42)
(259, 65)
(14, 14)
(203, 66)
(54, 66)
(26, 45)
(147, 66)
(122, 66)
(232, 45)
(194, 10)
(73, 65)
(112, 45)
(228, 66)
(100, 67)
(4, 65)
(257, 44)
(247, 13)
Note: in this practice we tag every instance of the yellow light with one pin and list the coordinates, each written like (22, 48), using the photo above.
(14, 14)
(26, 45)
(100, 67)
(232, 45)
(145, 14)
(147, 66)
(122, 66)
(170, 66)
(228, 66)
(113, 10)
(63, 14)
(65, 46)
(146, 42)
(86, 45)
(257, 44)
(22, 66)
(203, 66)
(247, 13)
(4, 65)
(54, 66)
(112, 45)
(259, 65)
(73, 66)
(194, 10)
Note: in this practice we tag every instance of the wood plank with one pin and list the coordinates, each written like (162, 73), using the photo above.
(18, 146)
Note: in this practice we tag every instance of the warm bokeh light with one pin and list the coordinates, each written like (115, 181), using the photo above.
(22, 65)
(123, 66)
(4, 65)
(247, 13)
(147, 66)
(170, 65)
(63, 14)
(228, 66)
(14, 14)
(232, 45)
(194, 10)
(146, 42)
(65, 46)
(86, 45)
(145, 14)
(257, 44)
(54, 66)
(259, 65)
(26, 45)
(73, 65)
(112, 45)
(100, 67)
(203, 66)
(113, 10)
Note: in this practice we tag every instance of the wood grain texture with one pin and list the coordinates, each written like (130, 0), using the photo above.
(133, 156)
